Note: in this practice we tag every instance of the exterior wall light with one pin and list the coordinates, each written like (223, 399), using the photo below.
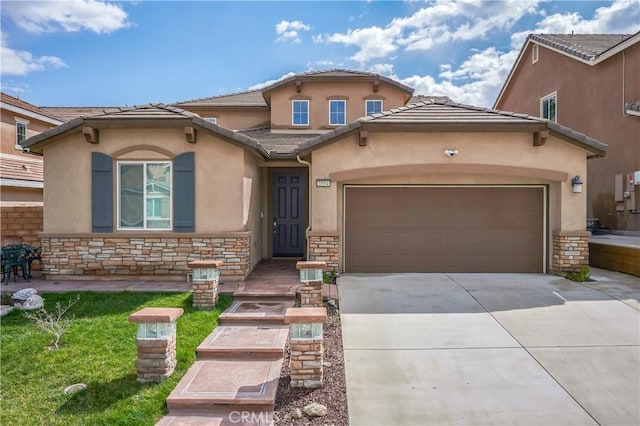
(450, 152)
(576, 183)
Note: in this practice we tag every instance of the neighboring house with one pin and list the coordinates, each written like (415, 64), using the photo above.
(590, 83)
(21, 177)
(333, 165)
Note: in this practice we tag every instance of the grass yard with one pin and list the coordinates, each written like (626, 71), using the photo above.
(99, 349)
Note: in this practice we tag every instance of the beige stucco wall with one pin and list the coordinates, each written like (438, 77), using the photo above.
(219, 172)
(483, 158)
(232, 118)
(319, 95)
(8, 130)
(252, 204)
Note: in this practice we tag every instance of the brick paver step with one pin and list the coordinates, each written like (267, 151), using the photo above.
(222, 417)
(215, 384)
(255, 312)
(244, 342)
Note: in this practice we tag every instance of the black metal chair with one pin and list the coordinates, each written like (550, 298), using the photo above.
(13, 258)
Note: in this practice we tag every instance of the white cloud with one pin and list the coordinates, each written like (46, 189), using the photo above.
(270, 82)
(623, 16)
(382, 69)
(476, 81)
(21, 62)
(290, 31)
(442, 22)
(67, 15)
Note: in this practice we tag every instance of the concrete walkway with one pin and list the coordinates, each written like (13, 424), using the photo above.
(477, 349)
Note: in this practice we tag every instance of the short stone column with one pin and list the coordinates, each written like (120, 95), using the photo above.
(307, 349)
(570, 251)
(205, 275)
(311, 279)
(156, 340)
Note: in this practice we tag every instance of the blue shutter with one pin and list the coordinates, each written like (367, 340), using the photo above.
(101, 192)
(184, 193)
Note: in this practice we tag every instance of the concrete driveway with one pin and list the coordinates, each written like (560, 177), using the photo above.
(479, 349)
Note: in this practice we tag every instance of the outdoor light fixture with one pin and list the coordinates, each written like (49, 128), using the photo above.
(310, 274)
(450, 152)
(200, 273)
(156, 330)
(576, 182)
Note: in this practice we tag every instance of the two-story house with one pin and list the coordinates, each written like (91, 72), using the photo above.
(21, 176)
(590, 83)
(341, 166)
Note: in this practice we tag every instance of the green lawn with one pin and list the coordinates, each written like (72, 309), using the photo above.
(99, 350)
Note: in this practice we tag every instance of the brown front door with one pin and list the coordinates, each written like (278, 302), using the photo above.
(444, 229)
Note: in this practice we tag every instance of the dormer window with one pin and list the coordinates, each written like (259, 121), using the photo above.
(373, 106)
(300, 113)
(337, 113)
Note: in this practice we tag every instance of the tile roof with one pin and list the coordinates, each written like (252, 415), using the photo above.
(277, 143)
(334, 74)
(583, 46)
(248, 98)
(19, 103)
(16, 167)
(69, 113)
(438, 115)
(148, 111)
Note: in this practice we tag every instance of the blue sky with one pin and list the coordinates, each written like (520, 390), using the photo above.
(93, 53)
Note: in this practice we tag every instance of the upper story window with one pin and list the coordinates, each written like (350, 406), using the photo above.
(21, 132)
(213, 120)
(300, 113)
(534, 53)
(144, 195)
(337, 113)
(549, 107)
(373, 106)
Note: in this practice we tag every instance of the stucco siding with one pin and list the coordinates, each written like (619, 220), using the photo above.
(319, 93)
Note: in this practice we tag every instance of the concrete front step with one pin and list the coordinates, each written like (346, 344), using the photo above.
(223, 417)
(255, 312)
(215, 384)
(244, 342)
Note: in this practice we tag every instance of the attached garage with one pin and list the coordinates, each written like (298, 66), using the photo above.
(444, 228)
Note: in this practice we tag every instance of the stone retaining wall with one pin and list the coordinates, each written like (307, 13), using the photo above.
(156, 256)
(615, 258)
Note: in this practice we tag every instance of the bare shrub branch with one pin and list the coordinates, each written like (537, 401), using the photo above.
(54, 322)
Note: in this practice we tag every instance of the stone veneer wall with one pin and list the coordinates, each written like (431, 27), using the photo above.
(21, 224)
(325, 248)
(570, 251)
(149, 256)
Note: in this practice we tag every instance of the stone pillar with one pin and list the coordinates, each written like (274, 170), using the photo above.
(570, 251)
(205, 275)
(307, 349)
(311, 279)
(156, 340)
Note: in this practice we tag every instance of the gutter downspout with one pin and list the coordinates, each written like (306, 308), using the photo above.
(624, 105)
(306, 232)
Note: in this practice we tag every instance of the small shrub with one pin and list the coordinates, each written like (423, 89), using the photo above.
(584, 274)
(329, 277)
(53, 322)
(5, 298)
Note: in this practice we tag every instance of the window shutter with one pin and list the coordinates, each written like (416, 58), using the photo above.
(184, 193)
(101, 192)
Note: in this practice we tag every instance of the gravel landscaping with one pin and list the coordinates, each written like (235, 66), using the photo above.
(290, 402)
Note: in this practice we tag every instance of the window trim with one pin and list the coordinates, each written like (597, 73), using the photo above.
(366, 106)
(119, 227)
(344, 117)
(293, 123)
(535, 53)
(552, 95)
(25, 123)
